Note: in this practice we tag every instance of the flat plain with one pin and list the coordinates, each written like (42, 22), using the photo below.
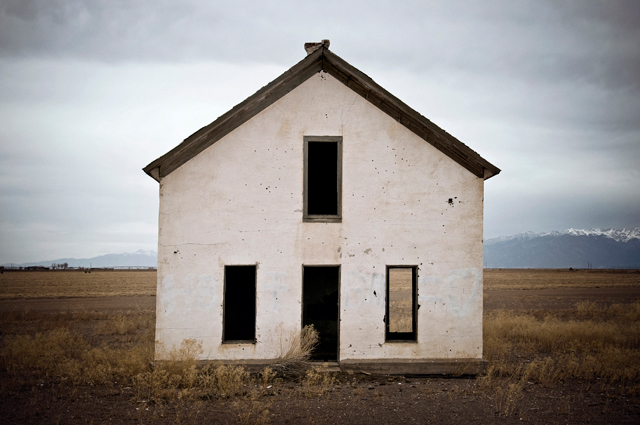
(524, 279)
(563, 347)
(75, 283)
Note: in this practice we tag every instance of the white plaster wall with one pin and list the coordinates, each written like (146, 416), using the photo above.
(240, 202)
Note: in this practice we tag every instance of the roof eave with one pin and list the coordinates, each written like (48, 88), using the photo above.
(322, 60)
(362, 84)
(238, 115)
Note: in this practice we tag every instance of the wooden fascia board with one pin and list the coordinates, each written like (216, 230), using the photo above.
(238, 115)
(322, 59)
(407, 116)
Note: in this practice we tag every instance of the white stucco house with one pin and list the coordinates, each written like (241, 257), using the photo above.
(323, 199)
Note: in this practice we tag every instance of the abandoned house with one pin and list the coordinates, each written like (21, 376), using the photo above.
(323, 199)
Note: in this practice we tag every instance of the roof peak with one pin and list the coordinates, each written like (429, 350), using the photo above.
(313, 46)
(319, 59)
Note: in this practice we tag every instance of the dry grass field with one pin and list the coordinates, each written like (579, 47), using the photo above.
(59, 283)
(575, 364)
(559, 278)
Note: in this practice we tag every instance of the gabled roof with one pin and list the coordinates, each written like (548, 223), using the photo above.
(322, 60)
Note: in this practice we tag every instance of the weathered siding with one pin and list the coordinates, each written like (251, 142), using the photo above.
(240, 202)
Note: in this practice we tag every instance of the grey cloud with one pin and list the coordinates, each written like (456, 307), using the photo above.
(91, 91)
(591, 42)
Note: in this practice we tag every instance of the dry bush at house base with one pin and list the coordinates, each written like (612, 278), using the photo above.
(293, 350)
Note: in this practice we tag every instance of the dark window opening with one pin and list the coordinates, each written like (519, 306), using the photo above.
(320, 304)
(239, 303)
(401, 303)
(323, 174)
(323, 178)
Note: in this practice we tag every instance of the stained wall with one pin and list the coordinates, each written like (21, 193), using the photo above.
(240, 202)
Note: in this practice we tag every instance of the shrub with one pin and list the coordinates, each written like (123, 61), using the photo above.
(294, 350)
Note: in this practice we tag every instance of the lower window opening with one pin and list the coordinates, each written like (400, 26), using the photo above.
(239, 304)
(401, 303)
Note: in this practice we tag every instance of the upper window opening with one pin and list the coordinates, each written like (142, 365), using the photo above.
(322, 178)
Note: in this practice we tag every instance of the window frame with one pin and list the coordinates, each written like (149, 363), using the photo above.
(403, 336)
(321, 218)
(224, 306)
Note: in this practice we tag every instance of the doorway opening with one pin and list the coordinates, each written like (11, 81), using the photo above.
(320, 308)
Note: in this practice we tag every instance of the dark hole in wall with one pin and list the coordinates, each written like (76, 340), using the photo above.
(320, 309)
(322, 178)
(240, 303)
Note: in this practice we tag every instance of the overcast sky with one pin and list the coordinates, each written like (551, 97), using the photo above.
(92, 91)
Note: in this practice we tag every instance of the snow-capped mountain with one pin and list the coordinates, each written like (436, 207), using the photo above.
(599, 248)
(623, 235)
(139, 258)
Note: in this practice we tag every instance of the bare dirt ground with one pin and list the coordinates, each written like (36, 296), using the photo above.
(557, 298)
(351, 399)
(354, 399)
(559, 278)
(101, 304)
(76, 283)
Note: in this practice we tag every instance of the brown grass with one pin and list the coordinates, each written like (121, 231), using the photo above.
(592, 343)
(91, 348)
(63, 355)
(56, 284)
(598, 345)
(317, 383)
(125, 324)
(181, 377)
(558, 278)
(78, 347)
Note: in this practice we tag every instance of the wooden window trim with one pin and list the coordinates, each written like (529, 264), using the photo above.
(404, 337)
(317, 218)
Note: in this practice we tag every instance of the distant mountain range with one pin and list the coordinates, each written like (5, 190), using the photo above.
(596, 248)
(139, 258)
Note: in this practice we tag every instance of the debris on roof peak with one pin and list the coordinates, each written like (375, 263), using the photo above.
(312, 47)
